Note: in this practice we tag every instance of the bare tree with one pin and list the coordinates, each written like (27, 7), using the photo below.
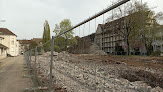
(135, 21)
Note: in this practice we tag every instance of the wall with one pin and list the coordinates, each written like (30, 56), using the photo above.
(17, 48)
(3, 53)
(7, 41)
(109, 40)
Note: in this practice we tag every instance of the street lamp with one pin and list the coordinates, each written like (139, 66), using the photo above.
(2, 21)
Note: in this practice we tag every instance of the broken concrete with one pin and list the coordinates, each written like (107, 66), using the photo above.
(80, 75)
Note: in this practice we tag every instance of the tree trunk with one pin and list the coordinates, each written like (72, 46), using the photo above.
(147, 49)
(145, 44)
(66, 45)
(128, 47)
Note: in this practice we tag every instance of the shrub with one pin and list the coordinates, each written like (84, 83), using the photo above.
(56, 48)
(156, 53)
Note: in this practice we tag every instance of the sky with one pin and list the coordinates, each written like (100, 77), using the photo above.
(26, 17)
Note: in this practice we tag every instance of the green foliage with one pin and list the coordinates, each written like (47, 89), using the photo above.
(66, 39)
(46, 36)
(140, 24)
(56, 48)
(156, 53)
(147, 26)
(33, 45)
(118, 49)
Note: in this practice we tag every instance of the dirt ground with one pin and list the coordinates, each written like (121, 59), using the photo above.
(136, 61)
(141, 66)
(11, 75)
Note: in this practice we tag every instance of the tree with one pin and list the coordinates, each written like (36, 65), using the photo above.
(33, 45)
(137, 20)
(129, 21)
(118, 49)
(67, 38)
(46, 36)
(56, 48)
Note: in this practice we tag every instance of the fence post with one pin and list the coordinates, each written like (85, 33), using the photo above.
(30, 61)
(35, 67)
(51, 64)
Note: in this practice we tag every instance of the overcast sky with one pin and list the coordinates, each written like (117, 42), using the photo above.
(26, 17)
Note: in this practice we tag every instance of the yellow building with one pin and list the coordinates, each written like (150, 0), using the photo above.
(3, 50)
(9, 40)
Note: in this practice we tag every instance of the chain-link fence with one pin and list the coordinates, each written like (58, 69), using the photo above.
(97, 56)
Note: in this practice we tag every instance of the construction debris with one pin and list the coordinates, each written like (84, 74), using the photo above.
(85, 75)
(99, 52)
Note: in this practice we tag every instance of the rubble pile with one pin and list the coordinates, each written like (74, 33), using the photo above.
(79, 75)
(99, 52)
(93, 48)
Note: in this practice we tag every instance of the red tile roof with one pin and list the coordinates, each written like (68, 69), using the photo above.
(5, 31)
(24, 41)
(37, 40)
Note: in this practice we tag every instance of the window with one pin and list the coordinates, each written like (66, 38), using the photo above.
(12, 49)
(12, 41)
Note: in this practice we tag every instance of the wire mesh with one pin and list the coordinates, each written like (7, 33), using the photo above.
(95, 59)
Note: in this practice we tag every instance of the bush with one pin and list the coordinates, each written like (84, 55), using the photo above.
(56, 48)
(119, 50)
(156, 53)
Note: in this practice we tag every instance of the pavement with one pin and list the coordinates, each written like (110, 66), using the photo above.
(11, 75)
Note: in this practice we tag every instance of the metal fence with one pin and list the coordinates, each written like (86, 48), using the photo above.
(71, 65)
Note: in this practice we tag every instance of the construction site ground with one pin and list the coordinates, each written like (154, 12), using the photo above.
(136, 61)
(106, 73)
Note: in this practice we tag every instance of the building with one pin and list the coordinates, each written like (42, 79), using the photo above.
(117, 33)
(23, 45)
(107, 36)
(9, 41)
(3, 49)
(157, 45)
(37, 40)
(84, 43)
(157, 42)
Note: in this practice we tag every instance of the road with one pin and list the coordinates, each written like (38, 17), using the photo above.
(11, 75)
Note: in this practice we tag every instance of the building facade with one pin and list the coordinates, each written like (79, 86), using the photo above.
(108, 37)
(126, 30)
(9, 40)
(23, 45)
(3, 49)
